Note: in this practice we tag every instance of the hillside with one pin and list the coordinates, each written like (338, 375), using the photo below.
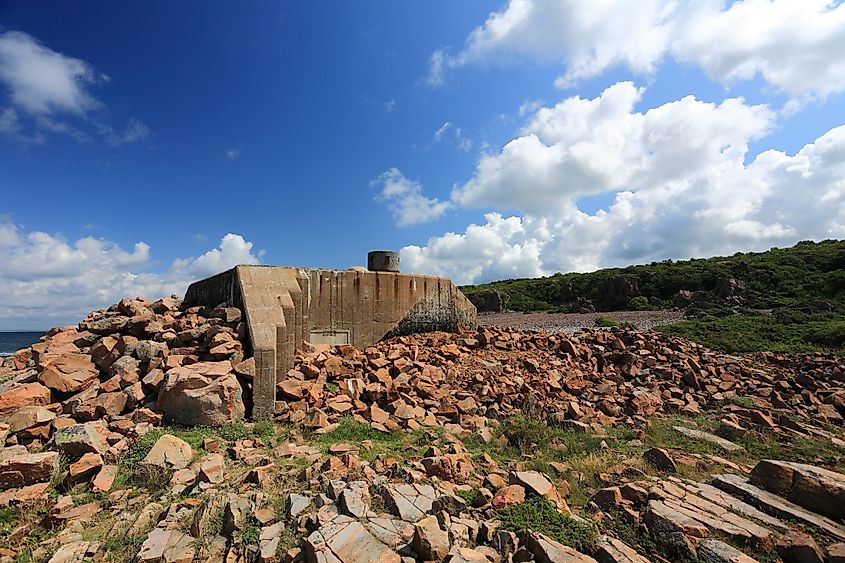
(784, 299)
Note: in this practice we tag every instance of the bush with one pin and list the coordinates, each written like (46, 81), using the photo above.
(639, 303)
(537, 514)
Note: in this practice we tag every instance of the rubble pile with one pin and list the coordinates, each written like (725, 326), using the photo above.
(76, 409)
(86, 389)
(592, 378)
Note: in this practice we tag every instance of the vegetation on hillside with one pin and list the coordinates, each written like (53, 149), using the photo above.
(792, 299)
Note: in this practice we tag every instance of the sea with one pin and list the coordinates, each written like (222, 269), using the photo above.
(11, 342)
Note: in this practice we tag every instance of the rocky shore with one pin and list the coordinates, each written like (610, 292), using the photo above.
(127, 438)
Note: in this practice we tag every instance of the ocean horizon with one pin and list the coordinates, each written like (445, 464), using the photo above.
(12, 341)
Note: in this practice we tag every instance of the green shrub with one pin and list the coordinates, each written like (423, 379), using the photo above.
(537, 514)
(639, 303)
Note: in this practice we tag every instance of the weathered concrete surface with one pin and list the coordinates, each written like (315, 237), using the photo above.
(285, 307)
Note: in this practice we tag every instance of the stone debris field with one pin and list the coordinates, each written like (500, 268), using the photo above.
(129, 437)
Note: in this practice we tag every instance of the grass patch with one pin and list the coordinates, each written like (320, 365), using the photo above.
(353, 432)
(603, 321)
(758, 332)
(537, 514)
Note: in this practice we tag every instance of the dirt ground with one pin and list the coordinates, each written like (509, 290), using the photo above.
(572, 322)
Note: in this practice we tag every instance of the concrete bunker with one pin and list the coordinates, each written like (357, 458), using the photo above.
(285, 307)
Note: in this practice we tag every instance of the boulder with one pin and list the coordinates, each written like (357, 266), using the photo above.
(188, 398)
(537, 483)
(169, 452)
(816, 488)
(799, 547)
(23, 395)
(508, 496)
(78, 440)
(26, 469)
(69, 373)
(431, 543)
(27, 417)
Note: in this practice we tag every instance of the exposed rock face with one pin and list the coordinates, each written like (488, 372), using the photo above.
(818, 489)
(490, 301)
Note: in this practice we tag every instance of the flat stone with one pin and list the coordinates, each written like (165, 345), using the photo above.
(546, 550)
(169, 452)
(27, 417)
(814, 488)
(23, 395)
(27, 469)
(726, 445)
(717, 551)
(775, 505)
(673, 529)
(395, 534)
(612, 550)
(167, 546)
(410, 502)
(345, 540)
(104, 480)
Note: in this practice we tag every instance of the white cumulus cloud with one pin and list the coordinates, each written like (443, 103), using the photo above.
(405, 199)
(42, 81)
(794, 45)
(42, 84)
(47, 280)
(678, 181)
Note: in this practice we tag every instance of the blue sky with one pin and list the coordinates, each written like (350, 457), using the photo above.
(143, 145)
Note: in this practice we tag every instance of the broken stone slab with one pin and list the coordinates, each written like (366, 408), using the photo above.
(69, 373)
(546, 550)
(167, 546)
(23, 395)
(538, 484)
(192, 399)
(28, 417)
(814, 488)
(169, 452)
(355, 499)
(296, 504)
(27, 469)
(717, 551)
(612, 550)
(726, 445)
(673, 529)
(799, 547)
(396, 534)
(345, 540)
(410, 502)
(77, 440)
(720, 497)
(775, 505)
(431, 543)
